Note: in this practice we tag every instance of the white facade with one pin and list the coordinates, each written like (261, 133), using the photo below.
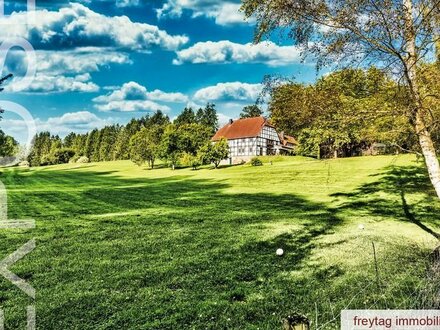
(243, 149)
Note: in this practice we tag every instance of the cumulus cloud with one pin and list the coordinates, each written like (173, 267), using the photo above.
(228, 52)
(63, 71)
(223, 119)
(127, 3)
(134, 97)
(58, 84)
(231, 91)
(79, 61)
(74, 121)
(223, 12)
(78, 26)
(133, 91)
(80, 122)
(130, 106)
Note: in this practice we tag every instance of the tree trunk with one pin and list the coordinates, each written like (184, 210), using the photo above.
(418, 113)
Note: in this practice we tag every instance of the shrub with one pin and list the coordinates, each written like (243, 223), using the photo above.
(63, 155)
(24, 163)
(83, 160)
(191, 160)
(256, 162)
(48, 160)
(74, 159)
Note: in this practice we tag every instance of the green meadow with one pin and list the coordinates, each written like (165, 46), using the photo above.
(124, 247)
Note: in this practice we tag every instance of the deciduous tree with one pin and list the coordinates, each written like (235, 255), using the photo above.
(397, 35)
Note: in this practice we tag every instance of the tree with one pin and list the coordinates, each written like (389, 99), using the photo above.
(187, 116)
(214, 152)
(251, 111)
(145, 145)
(157, 119)
(8, 145)
(170, 148)
(191, 160)
(398, 35)
(62, 156)
(208, 117)
(191, 137)
(40, 149)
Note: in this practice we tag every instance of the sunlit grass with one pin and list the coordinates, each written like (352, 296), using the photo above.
(123, 247)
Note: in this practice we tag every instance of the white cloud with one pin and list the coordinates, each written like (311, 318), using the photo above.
(79, 122)
(223, 119)
(223, 12)
(231, 91)
(73, 121)
(127, 3)
(130, 106)
(58, 84)
(228, 52)
(78, 26)
(134, 97)
(158, 95)
(229, 13)
(63, 71)
(79, 61)
(133, 91)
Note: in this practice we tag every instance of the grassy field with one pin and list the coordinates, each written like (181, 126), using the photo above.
(122, 247)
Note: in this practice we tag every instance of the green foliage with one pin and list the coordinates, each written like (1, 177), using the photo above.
(191, 160)
(41, 149)
(63, 155)
(208, 117)
(185, 139)
(256, 162)
(251, 111)
(214, 152)
(141, 140)
(187, 116)
(145, 145)
(8, 145)
(83, 160)
(343, 112)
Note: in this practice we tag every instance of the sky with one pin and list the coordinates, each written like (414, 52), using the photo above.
(100, 62)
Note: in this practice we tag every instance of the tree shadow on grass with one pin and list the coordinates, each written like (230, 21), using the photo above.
(156, 253)
(402, 192)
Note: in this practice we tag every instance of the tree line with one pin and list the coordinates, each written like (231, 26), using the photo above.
(184, 141)
(345, 113)
(401, 37)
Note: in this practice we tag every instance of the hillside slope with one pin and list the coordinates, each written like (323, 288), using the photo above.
(122, 247)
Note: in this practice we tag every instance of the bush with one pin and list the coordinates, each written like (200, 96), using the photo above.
(74, 159)
(24, 163)
(63, 155)
(191, 160)
(256, 162)
(83, 160)
(48, 160)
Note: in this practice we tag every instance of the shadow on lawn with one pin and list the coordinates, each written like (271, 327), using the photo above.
(180, 251)
(192, 242)
(388, 196)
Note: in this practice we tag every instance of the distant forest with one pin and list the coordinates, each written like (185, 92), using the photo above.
(342, 113)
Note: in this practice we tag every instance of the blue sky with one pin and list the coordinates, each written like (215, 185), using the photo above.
(106, 61)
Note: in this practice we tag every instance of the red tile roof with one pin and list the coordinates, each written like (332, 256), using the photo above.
(241, 128)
